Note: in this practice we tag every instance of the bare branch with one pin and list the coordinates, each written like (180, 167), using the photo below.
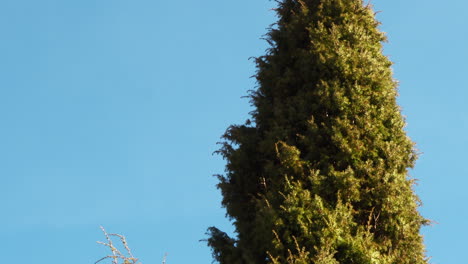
(116, 254)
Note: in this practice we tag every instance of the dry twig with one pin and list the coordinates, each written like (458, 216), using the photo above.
(116, 254)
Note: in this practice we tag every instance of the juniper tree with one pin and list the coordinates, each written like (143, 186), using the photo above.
(320, 172)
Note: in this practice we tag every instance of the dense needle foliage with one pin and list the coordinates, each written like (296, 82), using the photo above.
(320, 173)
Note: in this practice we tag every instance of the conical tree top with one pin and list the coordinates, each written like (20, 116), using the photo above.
(320, 173)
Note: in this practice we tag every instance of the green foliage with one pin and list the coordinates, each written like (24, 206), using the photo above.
(320, 173)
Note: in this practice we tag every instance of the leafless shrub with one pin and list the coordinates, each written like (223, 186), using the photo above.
(116, 254)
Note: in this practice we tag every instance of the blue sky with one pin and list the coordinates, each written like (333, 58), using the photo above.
(110, 111)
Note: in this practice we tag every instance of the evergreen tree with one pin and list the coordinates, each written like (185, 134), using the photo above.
(320, 174)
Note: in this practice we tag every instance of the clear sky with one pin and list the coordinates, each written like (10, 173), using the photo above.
(110, 111)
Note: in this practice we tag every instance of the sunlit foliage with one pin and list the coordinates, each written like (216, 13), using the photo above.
(320, 172)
